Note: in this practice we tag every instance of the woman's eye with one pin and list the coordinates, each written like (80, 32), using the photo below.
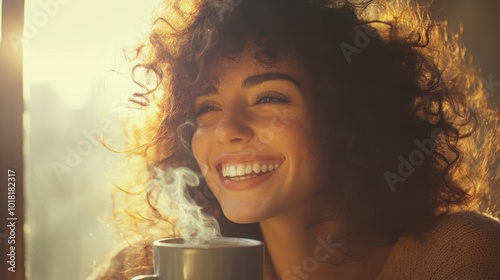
(269, 98)
(205, 109)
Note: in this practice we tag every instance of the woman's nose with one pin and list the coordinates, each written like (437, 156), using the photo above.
(233, 128)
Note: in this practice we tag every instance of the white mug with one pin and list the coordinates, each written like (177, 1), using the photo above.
(221, 258)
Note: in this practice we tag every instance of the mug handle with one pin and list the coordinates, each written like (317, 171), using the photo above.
(146, 277)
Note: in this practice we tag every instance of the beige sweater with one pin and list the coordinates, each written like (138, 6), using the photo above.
(464, 246)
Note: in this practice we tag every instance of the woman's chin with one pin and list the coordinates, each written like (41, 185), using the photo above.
(241, 216)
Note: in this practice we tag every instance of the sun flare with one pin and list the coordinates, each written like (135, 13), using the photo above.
(72, 44)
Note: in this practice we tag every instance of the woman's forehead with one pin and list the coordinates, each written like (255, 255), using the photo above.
(247, 64)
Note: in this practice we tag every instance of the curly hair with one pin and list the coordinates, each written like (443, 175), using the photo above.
(409, 133)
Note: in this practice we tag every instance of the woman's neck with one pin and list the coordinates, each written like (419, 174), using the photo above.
(299, 251)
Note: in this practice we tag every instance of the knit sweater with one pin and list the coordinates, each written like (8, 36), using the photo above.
(463, 246)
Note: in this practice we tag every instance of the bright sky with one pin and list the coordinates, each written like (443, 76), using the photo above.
(72, 43)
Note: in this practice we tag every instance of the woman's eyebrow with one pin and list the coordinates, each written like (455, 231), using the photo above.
(258, 79)
(206, 91)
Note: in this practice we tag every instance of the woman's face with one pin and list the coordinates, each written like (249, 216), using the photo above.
(256, 142)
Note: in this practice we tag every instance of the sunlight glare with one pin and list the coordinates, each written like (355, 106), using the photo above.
(71, 44)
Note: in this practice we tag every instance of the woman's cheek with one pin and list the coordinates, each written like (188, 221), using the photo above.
(197, 146)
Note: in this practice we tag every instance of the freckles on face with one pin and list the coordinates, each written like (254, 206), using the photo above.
(256, 141)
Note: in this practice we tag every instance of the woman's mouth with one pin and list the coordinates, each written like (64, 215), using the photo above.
(247, 170)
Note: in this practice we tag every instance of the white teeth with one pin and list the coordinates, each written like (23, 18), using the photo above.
(237, 172)
(240, 170)
(242, 177)
(256, 167)
(248, 169)
(232, 171)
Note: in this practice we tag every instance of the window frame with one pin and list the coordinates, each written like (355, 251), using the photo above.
(11, 135)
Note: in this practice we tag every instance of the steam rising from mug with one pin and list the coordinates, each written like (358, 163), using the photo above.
(201, 253)
(174, 202)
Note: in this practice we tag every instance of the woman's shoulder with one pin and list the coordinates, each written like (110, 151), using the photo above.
(125, 262)
(466, 227)
(463, 245)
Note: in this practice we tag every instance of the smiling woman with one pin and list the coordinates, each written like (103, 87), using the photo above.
(248, 97)
(292, 112)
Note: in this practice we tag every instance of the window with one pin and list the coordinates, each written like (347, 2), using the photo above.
(73, 96)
